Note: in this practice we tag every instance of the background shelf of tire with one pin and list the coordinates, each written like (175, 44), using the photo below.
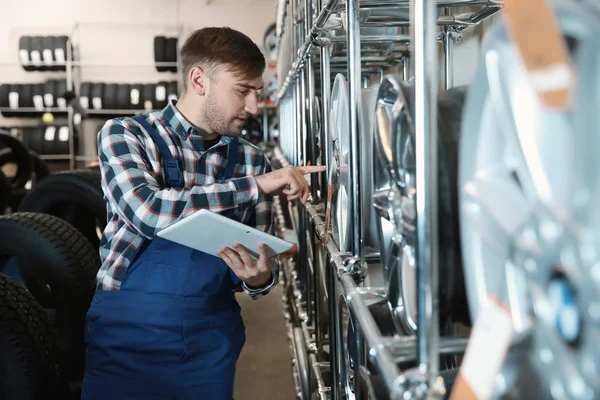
(354, 328)
(79, 107)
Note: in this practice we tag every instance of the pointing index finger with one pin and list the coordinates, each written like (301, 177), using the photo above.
(312, 169)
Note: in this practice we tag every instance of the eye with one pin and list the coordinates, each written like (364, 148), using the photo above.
(243, 92)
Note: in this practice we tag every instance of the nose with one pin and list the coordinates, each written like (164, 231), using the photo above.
(251, 103)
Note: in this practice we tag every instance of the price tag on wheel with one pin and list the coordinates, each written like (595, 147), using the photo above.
(535, 32)
(487, 348)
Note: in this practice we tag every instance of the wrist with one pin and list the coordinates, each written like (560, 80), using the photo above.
(259, 282)
(259, 181)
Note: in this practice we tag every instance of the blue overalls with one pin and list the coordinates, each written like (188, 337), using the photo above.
(174, 329)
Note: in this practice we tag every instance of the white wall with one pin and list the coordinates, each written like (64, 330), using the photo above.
(118, 31)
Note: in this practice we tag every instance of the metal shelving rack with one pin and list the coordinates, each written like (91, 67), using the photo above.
(73, 66)
(308, 40)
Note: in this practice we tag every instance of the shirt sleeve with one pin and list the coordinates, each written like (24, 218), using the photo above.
(133, 191)
(262, 219)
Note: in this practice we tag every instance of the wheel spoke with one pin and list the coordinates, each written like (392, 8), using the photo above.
(497, 205)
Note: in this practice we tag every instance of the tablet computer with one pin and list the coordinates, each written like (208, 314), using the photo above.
(207, 231)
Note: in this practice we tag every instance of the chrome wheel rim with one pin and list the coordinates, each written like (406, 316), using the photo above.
(528, 193)
(339, 145)
(394, 194)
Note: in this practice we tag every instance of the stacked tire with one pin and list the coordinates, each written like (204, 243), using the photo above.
(165, 53)
(57, 266)
(44, 53)
(31, 100)
(106, 98)
(49, 258)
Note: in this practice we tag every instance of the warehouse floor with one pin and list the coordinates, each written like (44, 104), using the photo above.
(264, 370)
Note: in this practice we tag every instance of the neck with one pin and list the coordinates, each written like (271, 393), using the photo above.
(189, 109)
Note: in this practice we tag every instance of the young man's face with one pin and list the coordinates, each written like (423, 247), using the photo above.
(230, 101)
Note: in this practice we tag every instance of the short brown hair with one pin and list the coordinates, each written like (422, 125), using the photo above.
(212, 47)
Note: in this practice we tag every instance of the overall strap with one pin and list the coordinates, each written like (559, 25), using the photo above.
(173, 167)
(231, 158)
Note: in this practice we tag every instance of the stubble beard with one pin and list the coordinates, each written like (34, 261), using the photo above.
(215, 120)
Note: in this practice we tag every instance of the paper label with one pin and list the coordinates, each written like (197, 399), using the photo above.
(487, 348)
(63, 133)
(13, 100)
(535, 31)
(50, 132)
(36, 57)
(49, 100)
(84, 102)
(38, 102)
(47, 56)
(24, 57)
(135, 96)
(160, 93)
(97, 103)
(59, 55)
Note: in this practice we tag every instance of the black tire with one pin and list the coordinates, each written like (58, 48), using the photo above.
(96, 96)
(172, 91)
(124, 96)
(61, 140)
(37, 97)
(49, 140)
(35, 140)
(48, 53)
(21, 157)
(149, 96)
(16, 197)
(16, 88)
(39, 167)
(49, 99)
(160, 94)
(136, 97)
(37, 47)
(450, 106)
(452, 295)
(252, 131)
(58, 266)
(24, 53)
(109, 97)
(74, 196)
(5, 192)
(30, 363)
(26, 99)
(60, 52)
(160, 43)
(171, 53)
(61, 95)
(4, 99)
(85, 96)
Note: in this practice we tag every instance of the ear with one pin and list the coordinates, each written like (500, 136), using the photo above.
(198, 80)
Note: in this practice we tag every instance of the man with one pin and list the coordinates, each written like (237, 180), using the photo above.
(164, 322)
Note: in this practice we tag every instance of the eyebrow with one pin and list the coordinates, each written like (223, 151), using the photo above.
(249, 86)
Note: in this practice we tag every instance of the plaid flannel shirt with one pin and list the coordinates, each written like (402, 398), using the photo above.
(139, 205)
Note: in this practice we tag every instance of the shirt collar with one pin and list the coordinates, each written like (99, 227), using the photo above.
(181, 126)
